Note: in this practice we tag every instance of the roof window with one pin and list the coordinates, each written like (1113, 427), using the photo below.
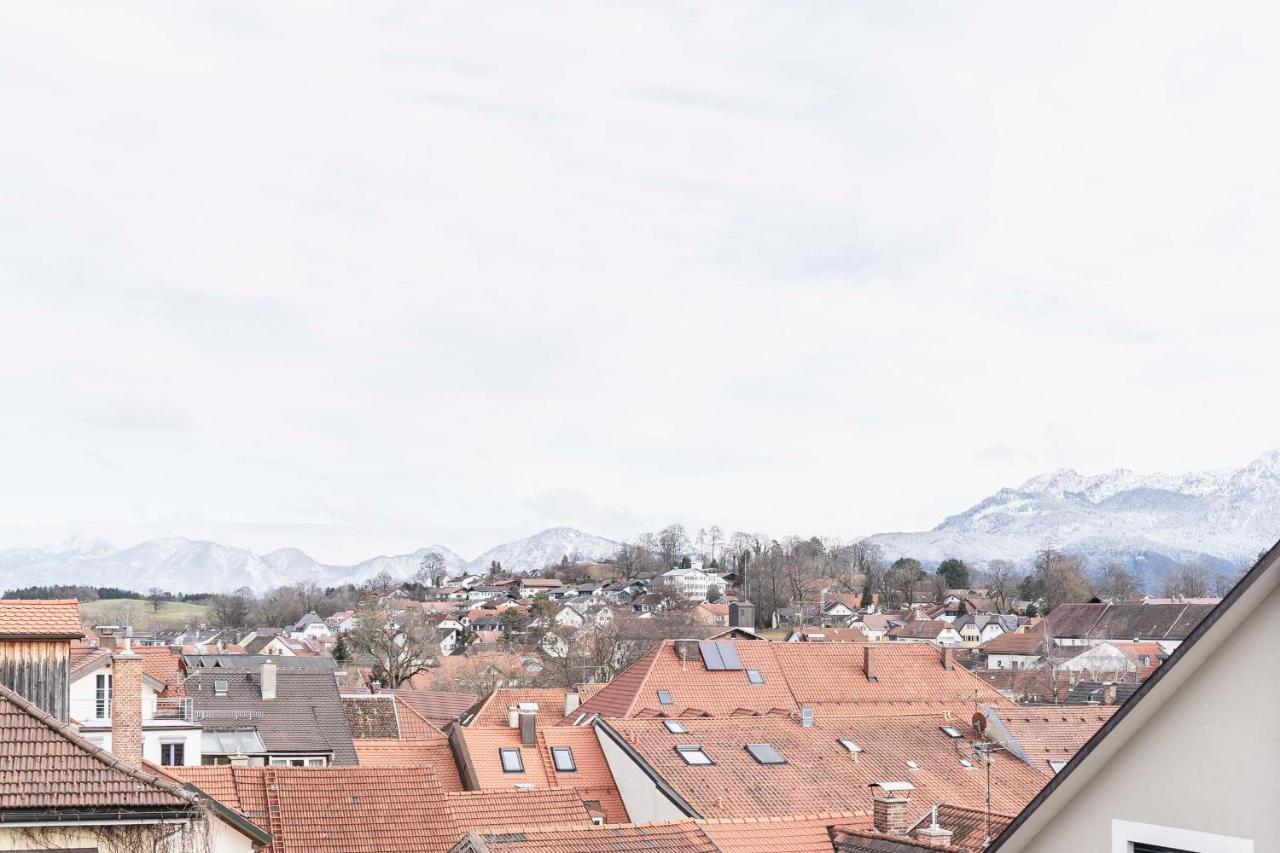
(911, 765)
(512, 761)
(754, 676)
(693, 754)
(964, 762)
(765, 753)
(850, 745)
(562, 757)
(664, 697)
(219, 688)
(950, 731)
(676, 727)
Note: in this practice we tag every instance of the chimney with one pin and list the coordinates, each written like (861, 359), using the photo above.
(268, 679)
(513, 716)
(948, 658)
(238, 760)
(1109, 695)
(529, 728)
(934, 835)
(889, 802)
(868, 662)
(126, 705)
(571, 702)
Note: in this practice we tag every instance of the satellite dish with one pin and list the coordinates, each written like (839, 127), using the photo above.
(979, 721)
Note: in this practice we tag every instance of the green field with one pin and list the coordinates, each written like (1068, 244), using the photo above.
(139, 614)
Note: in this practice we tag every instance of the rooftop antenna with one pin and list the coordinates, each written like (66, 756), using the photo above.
(985, 751)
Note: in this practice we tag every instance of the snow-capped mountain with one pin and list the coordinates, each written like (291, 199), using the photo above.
(1146, 521)
(177, 564)
(543, 549)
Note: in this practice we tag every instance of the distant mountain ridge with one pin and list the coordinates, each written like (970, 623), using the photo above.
(1147, 522)
(177, 564)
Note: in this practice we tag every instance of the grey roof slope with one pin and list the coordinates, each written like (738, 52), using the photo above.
(1126, 621)
(306, 715)
(195, 662)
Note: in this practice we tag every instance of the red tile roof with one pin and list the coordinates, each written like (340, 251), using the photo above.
(801, 834)
(40, 619)
(919, 629)
(48, 766)
(820, 774)
(829, 677)
(970, 828)
(494, 711)
(1054, 733)
(436, 706)
(379, 752)
(371, 809)
(670, 837)
(592, 778)
(1029, 642)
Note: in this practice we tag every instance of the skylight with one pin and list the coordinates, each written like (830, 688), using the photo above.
(675, 727)
(1057, 765)
(562, 756)
(219, 688)
(911, 765)
(665, 697)
(754, 676)
(850, 745)
(512, 762)
(964, 762)
(693, 754)
(765, 753)
(950, 731)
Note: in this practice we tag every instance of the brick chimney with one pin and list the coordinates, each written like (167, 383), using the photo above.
(889, 802)
(529, 728)
(948, 658)
(126, 705)
(868, 662)
(267, 678)
(934, 835)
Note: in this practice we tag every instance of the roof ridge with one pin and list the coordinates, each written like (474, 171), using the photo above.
(65, 731)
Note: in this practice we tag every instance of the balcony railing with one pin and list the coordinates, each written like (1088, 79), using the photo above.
(176, 708)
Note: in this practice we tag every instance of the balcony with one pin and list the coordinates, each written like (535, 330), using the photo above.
(174, 709)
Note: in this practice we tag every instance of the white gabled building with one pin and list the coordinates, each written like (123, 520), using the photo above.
(693, 584)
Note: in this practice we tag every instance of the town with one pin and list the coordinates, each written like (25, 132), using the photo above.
(652, 702)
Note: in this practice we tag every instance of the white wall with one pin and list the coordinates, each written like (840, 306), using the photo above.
(644, 802)
(1204, 762)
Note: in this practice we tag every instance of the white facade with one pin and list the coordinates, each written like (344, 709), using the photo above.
(997, 661)
(168, 734)
(693, 584)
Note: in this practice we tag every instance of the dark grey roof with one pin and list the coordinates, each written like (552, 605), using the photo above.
(1094, 693)
(306, 715)
(1126, 621)
(195, 662)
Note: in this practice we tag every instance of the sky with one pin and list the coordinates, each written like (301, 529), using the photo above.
(361, 277)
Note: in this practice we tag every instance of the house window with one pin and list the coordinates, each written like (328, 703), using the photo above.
(298, 761)
(765, 753)
(754, 676)
(693, 754)
(512, 761)
(562, 757)
(665, 698)
(1131, 837)
(102, 696)
(173, 754)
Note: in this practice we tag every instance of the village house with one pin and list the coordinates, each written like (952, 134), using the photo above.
(310, 627)
(925, 631)
(693, 584)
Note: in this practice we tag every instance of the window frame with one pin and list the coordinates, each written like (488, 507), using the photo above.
(504, 752)
(755, 677)
(767, 759)
(684, 750)
(167, 750)
(103, 695)
(680, 728)
(668, 700)
(565, 751)
(1125, 833)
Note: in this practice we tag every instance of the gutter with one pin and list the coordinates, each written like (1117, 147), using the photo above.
(661, 784)
(86, 817)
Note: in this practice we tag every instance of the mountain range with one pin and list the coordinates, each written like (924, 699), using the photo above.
(177, 564)
(1145, 522)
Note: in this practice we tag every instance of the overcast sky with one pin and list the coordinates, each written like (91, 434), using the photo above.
(357, 278)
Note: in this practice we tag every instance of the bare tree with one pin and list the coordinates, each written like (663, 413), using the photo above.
(401, 649)
(1118, 584)
(430, 570)
(231, 611)
(1188, 581)
(1003, 579)
(1060, 578)
(672, 544)
(156, 597)
(632, 561)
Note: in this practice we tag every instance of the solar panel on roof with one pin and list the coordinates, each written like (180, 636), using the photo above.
(711, 655)
(729, 654)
